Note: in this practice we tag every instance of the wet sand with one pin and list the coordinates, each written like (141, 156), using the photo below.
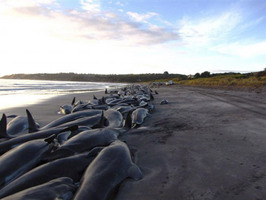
(205, 144)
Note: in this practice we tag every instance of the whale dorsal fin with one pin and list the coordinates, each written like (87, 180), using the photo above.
(151, 96)
(73, 101)
(101, 123)
(31, 123)
(3, 133)
(128, 121)
(94, 97)
(134, 172)
(103, 100)
(103, 119)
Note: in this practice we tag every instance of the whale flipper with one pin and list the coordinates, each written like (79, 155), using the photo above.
(63, 137)
(50, 139)
(135, 173)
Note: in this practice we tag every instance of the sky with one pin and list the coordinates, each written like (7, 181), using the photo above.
(132, 37)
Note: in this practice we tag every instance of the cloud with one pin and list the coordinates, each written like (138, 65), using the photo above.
(241, 50)
(25, 3)
(141, 17)
(119, 4)
(88, 24)
(26, 7)
(252, 23)
(37, 36)
(207, 30)
(91, 5)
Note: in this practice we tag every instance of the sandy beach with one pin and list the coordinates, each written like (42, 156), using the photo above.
(205, 144)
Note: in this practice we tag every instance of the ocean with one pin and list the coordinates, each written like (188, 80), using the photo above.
(18, 92)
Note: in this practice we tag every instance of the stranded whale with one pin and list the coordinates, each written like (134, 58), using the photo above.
(112, 165)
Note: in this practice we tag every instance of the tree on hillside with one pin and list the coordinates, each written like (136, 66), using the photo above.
(205, 74)
(197, 75)
(166, 73)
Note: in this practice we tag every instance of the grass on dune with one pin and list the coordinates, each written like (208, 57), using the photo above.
(238, 80)
(227, 81)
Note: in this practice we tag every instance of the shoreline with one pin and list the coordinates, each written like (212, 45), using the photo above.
(46, 110)
(23, 93)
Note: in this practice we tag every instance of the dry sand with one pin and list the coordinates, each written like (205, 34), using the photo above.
(205, 144)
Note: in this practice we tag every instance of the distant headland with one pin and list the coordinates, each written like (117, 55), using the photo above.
(121, 78)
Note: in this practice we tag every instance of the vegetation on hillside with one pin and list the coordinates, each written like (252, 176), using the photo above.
(250, 80)
(228, 81)
(125, 78)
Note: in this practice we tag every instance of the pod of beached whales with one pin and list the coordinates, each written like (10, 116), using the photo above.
(77, 156)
